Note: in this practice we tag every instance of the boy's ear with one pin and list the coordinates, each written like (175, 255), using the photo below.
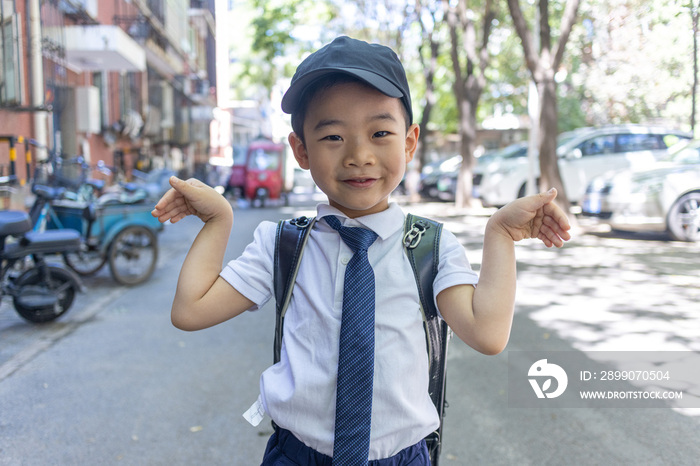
(299, 150)
(412, 141)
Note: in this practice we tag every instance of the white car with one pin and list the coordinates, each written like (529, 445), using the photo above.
(663, 198)
(583, 154)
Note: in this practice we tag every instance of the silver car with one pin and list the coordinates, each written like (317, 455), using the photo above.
(664, 197)
(583, 154)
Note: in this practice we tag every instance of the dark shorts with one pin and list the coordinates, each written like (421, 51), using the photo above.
(284, 449)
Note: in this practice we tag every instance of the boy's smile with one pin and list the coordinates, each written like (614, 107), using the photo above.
(357, 146)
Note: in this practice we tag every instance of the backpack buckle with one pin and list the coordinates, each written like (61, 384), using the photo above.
(300, 222)
(415, 234)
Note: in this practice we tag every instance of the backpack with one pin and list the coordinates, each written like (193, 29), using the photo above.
(422, 244)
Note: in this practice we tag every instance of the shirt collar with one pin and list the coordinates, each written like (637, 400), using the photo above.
(384, 223)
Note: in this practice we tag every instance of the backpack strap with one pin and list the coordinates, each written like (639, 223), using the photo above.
(422, 245)
(290, 240)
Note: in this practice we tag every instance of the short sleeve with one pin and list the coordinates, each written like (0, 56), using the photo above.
(252, 273)
(453, 268)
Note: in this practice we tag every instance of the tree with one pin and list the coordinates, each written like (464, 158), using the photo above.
(469, 81)
(426, 15)
(270, 39)
(632, 62)
(543, 65)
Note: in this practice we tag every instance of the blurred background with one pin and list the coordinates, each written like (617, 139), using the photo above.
(101, 101)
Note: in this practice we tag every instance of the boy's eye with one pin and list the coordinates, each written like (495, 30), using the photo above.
(381, 134)
(333, 137)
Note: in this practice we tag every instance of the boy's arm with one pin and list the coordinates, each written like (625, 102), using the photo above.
(202, 297)
(481, 316)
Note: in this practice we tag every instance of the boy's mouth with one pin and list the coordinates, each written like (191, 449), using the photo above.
(360, 182)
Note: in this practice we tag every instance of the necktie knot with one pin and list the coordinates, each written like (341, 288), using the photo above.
(357, 239)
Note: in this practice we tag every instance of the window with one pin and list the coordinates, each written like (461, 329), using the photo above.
(263, 159)
(639, 142)
(99, 80)
(130, 92)
(689, 155)
(598, 145)
(671, 139)
(10, 59)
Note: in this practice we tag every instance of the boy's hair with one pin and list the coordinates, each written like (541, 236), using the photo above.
(326, 82)
(372, 64)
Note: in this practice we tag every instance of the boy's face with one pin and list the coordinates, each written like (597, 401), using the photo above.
(357, 147)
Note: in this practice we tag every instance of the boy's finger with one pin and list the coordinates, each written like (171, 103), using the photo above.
(558, 223)
(181, 186)
(557, 215)
(548, 196)
(539, 200)
(178, 185)
(557, 228)
(166, 202)
(188, 188)
(174, 180)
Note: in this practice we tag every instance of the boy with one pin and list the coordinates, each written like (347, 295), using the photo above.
(352, 128)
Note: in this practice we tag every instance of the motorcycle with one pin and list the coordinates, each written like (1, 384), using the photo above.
(41, 291)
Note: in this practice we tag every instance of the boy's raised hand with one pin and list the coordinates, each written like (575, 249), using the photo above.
(535, 216)
(191, 197)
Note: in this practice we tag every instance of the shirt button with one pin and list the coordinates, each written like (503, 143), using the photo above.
(344, 260)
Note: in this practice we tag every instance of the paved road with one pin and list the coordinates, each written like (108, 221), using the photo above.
(113, 383)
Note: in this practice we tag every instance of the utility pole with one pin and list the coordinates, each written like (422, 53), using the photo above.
(37, 79)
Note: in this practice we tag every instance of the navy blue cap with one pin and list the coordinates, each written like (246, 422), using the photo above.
(374, 64)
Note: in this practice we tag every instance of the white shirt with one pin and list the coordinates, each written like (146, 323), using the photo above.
(299, 391)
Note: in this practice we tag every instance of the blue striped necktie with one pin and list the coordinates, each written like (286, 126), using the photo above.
(353, 409)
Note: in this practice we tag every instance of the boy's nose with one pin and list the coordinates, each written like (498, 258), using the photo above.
(359, 155)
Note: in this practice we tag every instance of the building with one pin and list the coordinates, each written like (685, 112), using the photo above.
(130, 83)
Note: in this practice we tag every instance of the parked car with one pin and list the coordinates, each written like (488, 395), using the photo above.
(440, 181)
(583, 154)
(663, 198)
(495, 158)
(437, 178)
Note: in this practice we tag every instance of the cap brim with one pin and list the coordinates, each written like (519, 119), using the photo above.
(290, 101)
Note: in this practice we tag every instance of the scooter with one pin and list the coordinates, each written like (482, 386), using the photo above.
(40, 291)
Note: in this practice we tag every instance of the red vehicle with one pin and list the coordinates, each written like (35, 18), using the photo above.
(236, 180)
(268, 172)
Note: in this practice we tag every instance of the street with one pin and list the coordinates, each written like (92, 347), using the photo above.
(113, 382)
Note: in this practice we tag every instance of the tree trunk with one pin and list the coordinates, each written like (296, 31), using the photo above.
(469, 83)
(543, 63)
(467, 144)
(423, 125)
(550, 177)
(429, 75)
